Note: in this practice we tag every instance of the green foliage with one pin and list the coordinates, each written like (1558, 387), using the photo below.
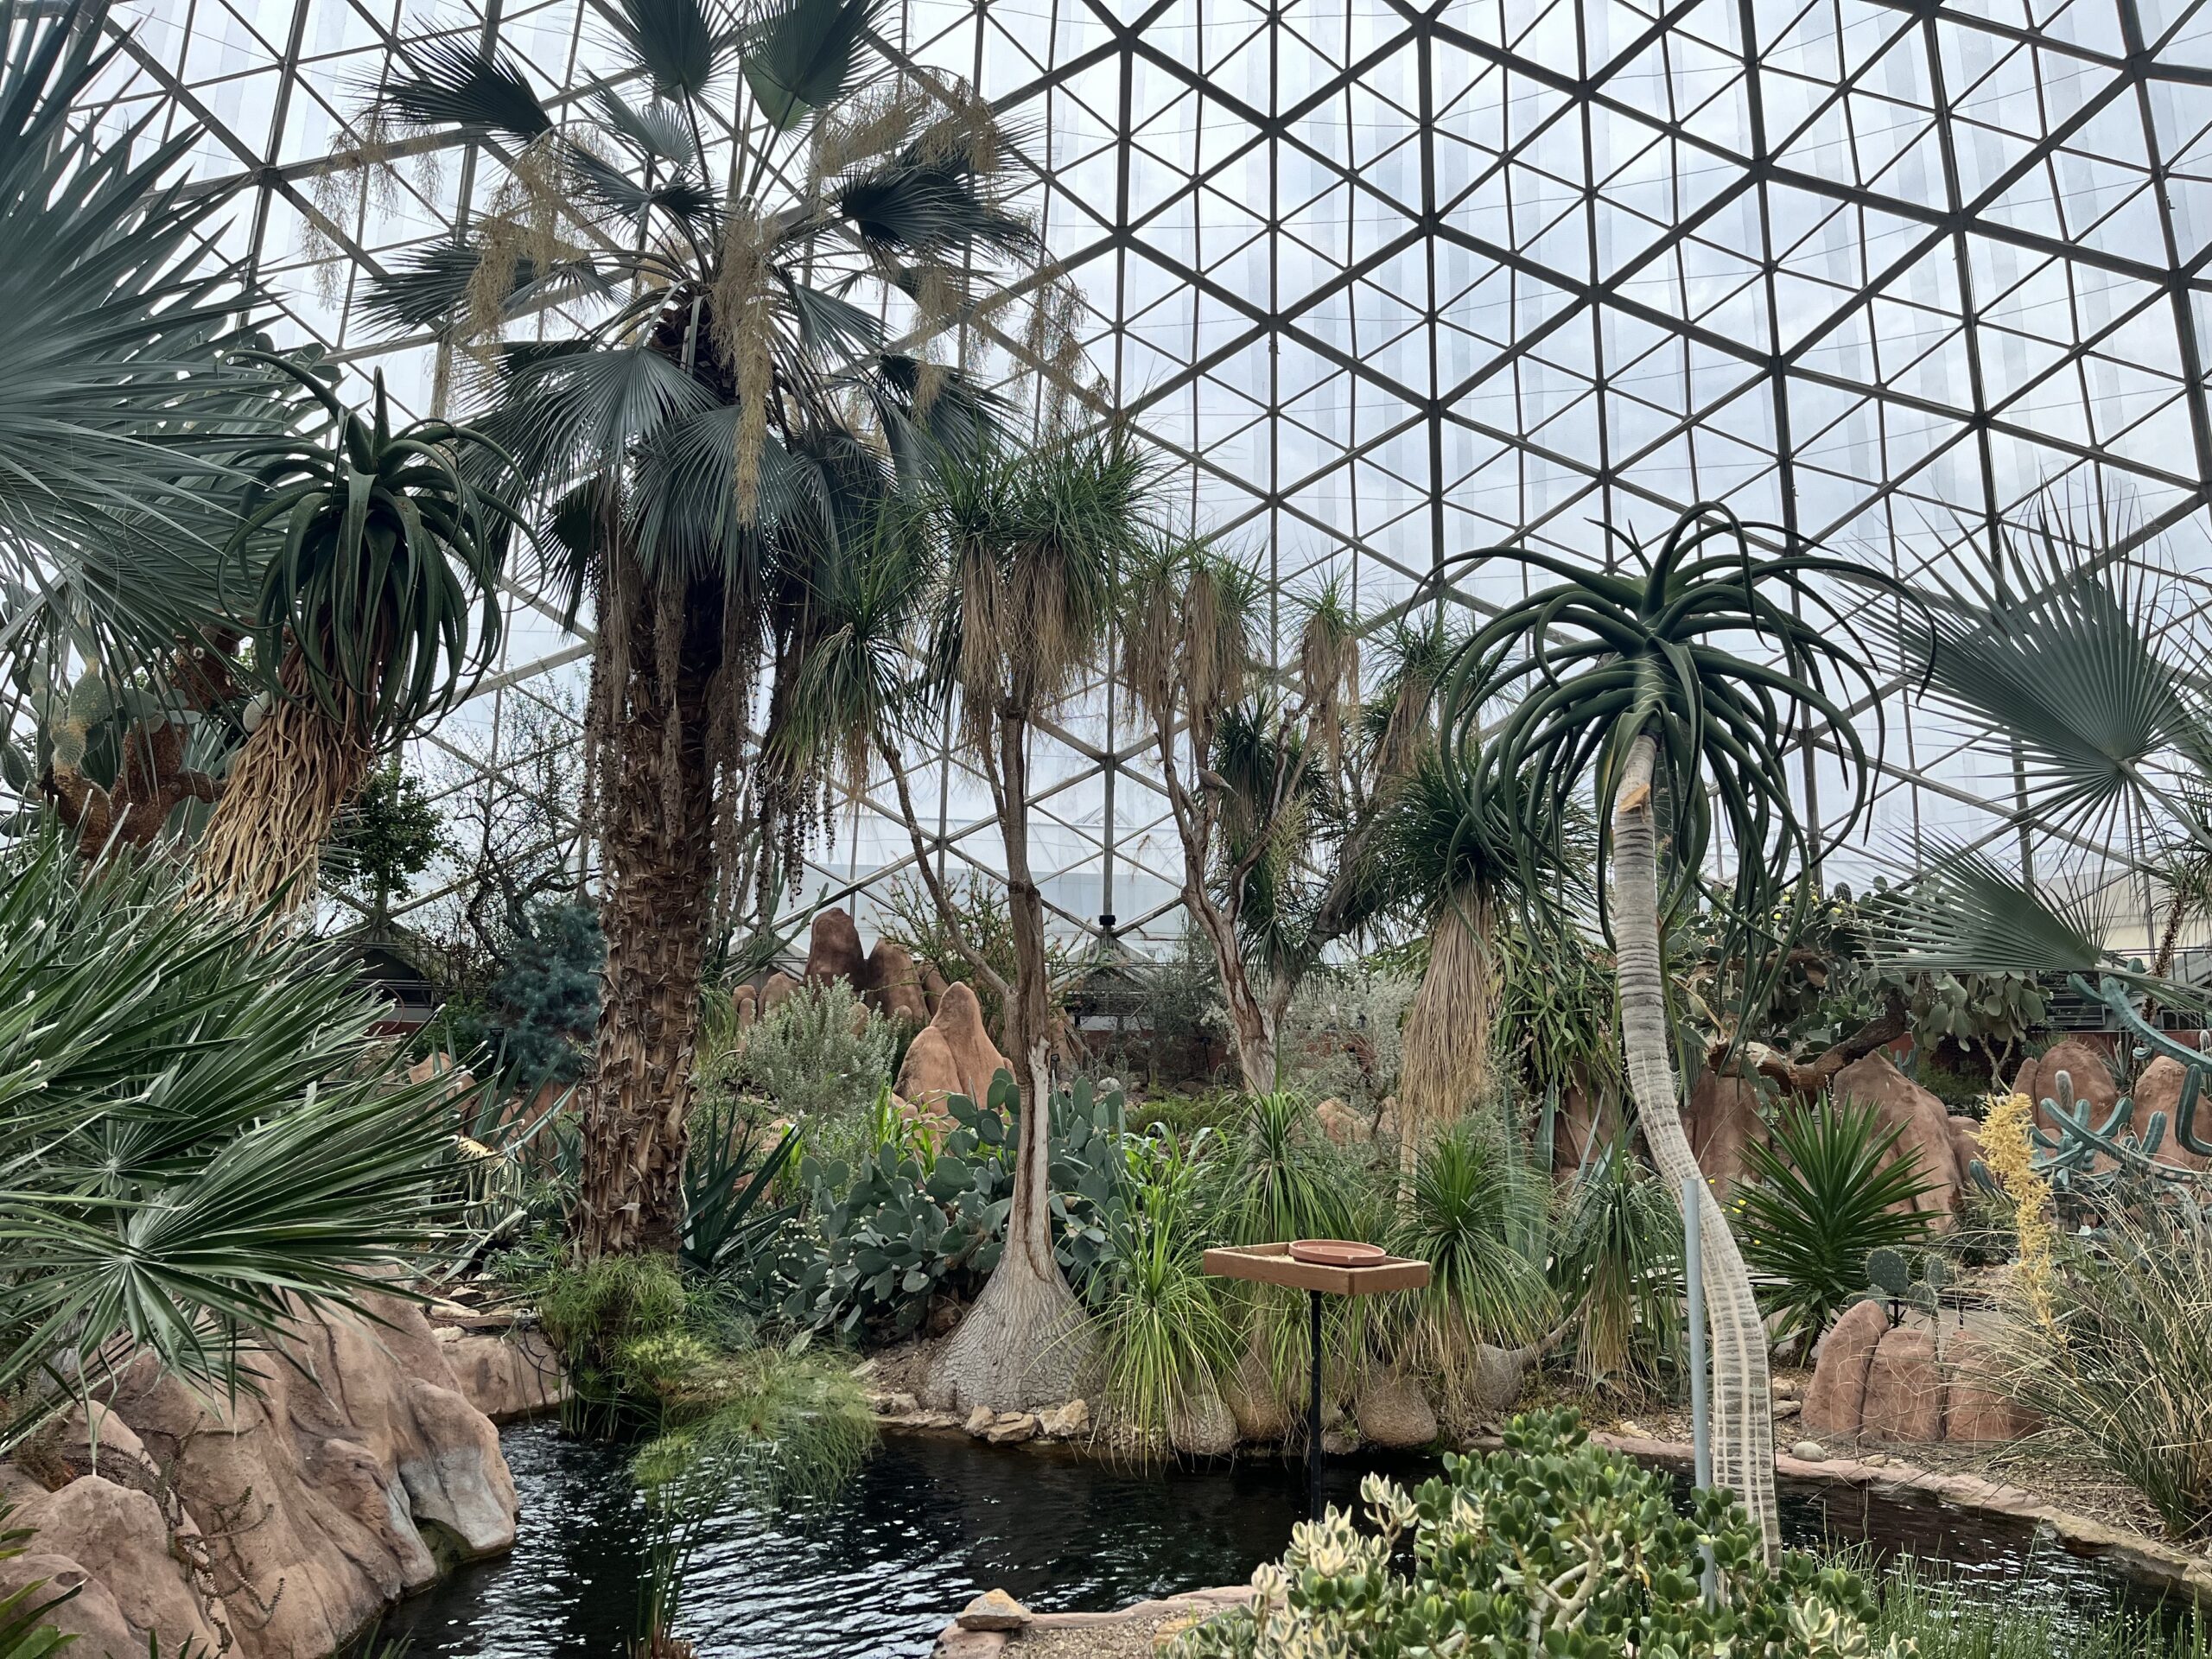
(727, 1220)
(1995, 1013)
(1894, 1280)
(199, 1133)
(2123, 1371)
(821, 1056)
(23, 1634)
(1817, 1200)
(1557, 1012)
(545, 1005)
(891, 1231)
(1468, 1213)
(1552, 1547)
(1279, 1177)
(387, 550)
(1617, 1263)
(1157, 1321)
(388, 834)
(1344, 1034)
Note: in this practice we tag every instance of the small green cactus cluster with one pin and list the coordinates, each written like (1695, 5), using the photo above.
(1892, 1276)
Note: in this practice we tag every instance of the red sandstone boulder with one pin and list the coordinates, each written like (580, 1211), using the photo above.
(116, 1534)
(833, 949)
(1721, 1118)
(1924, 1127)
(1974, 1410)
(960, 1017)
(929, 1073)
(1578, 1133)
(507, 1377)
(2088, 1073)
(776, 990)
(1833, 1403)
(933, 989)
(1340, 1123)
(745, 1004)
(1904, 1390)
(1966, 1149)
(894, 984)
(2158, 1090)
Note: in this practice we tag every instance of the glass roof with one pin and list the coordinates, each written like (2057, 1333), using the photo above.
(1389, 283)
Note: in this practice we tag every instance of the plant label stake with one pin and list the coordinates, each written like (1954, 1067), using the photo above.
(1320, 1267)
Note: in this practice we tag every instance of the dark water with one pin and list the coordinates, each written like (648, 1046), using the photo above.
(933, 1520)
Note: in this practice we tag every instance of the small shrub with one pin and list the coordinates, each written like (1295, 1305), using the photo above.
(1819, 1199)
(820, 1056)
(1344, 1034)
(1552, 1547)
(2122, 1369)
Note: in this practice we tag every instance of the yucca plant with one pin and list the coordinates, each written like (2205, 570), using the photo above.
(374, 612)
(1632, 684)
(1822, 1193)
(200, 1136)
(708, 389)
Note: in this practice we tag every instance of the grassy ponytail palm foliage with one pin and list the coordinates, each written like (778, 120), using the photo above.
(721, 404)
(1631, 683)
(376, 609)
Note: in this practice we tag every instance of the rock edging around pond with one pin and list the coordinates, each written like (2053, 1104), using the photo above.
(353, 1469)
(995, 1622)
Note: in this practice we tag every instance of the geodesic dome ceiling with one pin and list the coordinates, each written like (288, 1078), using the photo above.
(1387, 283)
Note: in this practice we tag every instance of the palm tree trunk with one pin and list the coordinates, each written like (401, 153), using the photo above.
(281, 801)
(1742, 1410)
(656, 893)
(1022, 1343)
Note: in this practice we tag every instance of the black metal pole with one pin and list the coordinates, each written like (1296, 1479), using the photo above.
(1314, 1418)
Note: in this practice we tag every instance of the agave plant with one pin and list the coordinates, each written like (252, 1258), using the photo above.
(373, 616)
(1630, 683)
(199, 1135)
(709, 398)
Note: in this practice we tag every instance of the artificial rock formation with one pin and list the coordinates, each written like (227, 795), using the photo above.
(953, 1054)
(893, 984)
(506, 1376)
(833, 950)
(1721, 1118)
(1877, 1383)
(2088, 1073)
(2158, 1090)
(290, 1517)
(1923, 1125)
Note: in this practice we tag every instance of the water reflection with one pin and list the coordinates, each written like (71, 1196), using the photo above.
(932, 1521)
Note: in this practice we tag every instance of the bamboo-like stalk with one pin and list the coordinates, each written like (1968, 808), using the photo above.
(1743, 1412)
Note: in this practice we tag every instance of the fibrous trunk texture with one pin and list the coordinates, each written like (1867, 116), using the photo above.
(1743, 1409)
(1446, 1065)
(657, 867)
(1023, 1343)
(295, 773)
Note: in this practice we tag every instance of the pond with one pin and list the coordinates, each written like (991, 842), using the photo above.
(934, 1520)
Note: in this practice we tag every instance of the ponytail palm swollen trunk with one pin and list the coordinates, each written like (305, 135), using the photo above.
(708, 402)
(1628, 683)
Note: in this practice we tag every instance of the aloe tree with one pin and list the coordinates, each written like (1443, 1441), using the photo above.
(374, 612)
(688, 356)
(1635, 684)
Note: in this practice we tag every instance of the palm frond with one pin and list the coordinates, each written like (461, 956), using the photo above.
(677, 43)
(1967, 913)
(802, 55)
(452, 82)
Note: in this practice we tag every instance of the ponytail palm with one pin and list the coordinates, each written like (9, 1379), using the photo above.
(1633, 684)
(727, 394)
(375, 610)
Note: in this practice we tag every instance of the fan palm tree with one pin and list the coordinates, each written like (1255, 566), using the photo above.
(121, 407)
(373, 616)
(708, 401)
(1000, 574)
(200, 1134)
(1630, 683)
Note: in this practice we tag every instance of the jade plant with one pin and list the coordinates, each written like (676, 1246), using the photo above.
(1552, 1546)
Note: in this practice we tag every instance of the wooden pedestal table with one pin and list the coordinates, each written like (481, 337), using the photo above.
(1320, 1267)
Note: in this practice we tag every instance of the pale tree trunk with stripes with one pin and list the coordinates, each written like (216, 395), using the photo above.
(1742, 1410)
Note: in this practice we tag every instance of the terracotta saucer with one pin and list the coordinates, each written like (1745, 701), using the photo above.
(1335, 1253)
